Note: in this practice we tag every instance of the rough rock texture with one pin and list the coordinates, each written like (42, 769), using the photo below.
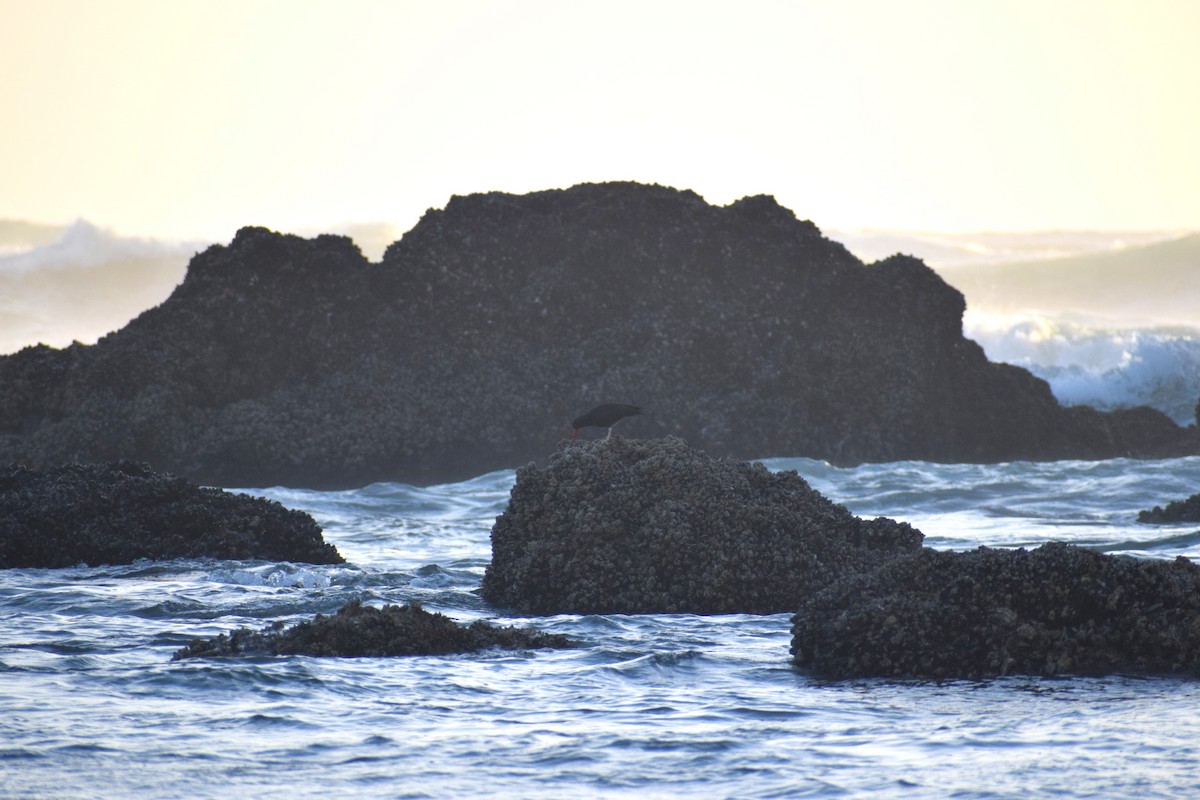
(1056, 610)
(1176, 511)
(641, 526)
(117, 513)
(493, 323)
(358, 630)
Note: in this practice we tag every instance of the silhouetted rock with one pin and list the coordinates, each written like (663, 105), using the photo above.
(1176, 511)
(358, 630)
(117, 513)
(1055, 610)
(639, 526)
(493, 323)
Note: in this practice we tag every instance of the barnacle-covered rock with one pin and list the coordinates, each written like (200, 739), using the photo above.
(358, 630)
(639, 526)
(1176, 511)
(119, 512)
(1058, 609)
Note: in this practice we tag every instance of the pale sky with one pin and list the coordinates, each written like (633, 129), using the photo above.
(191, 119)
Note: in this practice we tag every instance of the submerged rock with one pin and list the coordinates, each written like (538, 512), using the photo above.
(1176, 511)
(641, 526)
(497, 320)
(358, 630)
(1056, 610)
(119, 512)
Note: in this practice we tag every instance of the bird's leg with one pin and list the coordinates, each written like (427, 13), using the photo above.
(574, 435)
(606, 438)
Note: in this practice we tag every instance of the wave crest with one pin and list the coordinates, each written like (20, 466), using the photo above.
(87, 282)
(1091, 363)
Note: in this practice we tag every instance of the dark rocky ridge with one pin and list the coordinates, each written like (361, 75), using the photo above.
(494, 322)
(118, 513)
(646, 526)
(1056, 610)
(363, 631)
(1176, 511)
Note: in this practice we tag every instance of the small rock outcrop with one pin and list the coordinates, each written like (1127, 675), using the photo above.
(120, 512)
(1176, 511)
(498, 319)
(364, 631)
(653, 526)
(1056, 610)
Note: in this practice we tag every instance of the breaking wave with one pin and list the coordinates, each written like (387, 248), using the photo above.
(83, 284)
(1104, 366)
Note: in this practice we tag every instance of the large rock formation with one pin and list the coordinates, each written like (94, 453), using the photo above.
(640, 526)
(117, 513)
(492, 323)
(364, 631)
(1055, 610)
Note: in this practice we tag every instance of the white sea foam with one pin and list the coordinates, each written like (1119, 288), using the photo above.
(671, 704)
(275, 574)
(1090, 363)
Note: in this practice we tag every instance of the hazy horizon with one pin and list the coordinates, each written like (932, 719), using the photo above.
(1132, 340)
(168, 120)
(936, 248)
(61, 283)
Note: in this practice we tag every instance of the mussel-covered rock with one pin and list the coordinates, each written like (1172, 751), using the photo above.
(1176, 511)
(496, 320)
(1058, 609)
(640, 526)
(358, 630)
(119, 512)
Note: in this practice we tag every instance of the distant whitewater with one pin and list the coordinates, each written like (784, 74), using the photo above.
(79, 282)
(1110, 320)
(1113, 327)
(60, 284)
(1106, 367)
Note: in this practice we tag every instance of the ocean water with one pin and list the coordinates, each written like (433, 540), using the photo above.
(91, 705)
(1103, 364)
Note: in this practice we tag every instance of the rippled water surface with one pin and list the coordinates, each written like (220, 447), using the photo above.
(651, 706)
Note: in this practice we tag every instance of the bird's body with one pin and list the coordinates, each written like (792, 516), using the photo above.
(603, 416)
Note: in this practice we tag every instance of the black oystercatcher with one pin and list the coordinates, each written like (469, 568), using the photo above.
(604, 416)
